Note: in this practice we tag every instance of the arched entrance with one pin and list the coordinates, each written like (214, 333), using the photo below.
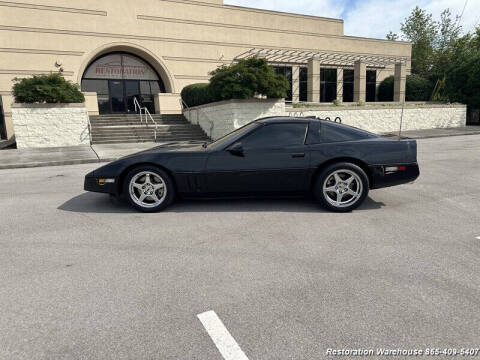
(118, 78)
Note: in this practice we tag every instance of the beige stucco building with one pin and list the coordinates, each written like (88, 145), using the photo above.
(119, 49)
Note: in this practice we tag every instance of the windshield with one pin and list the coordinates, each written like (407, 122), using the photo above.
(242, 130)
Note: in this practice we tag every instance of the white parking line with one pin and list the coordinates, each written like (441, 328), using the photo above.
(222, 339)
(478, 237)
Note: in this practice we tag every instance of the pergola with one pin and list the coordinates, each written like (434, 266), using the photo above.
(316, 59)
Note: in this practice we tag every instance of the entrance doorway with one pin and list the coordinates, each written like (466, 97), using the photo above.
(118, 78)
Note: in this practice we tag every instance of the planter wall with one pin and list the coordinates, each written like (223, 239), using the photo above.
(50, 125)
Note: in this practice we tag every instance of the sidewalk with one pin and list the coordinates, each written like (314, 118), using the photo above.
(25, 158)
(432, 133)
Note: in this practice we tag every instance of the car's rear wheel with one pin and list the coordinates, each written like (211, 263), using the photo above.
(148, 188)
(341, 187)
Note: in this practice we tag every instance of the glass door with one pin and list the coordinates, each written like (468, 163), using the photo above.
(328, 85)
(132, 90)
(348, 78)
(117, 96)
(371, 90)
(147, 96)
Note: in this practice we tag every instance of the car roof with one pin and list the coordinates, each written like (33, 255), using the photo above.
(327, 121)
(283, 119)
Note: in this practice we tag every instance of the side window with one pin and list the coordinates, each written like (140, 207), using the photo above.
(276, 136)
(336, 133)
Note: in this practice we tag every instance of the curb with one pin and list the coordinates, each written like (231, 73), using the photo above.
(54, 163)
(447, 135)
(433, 136)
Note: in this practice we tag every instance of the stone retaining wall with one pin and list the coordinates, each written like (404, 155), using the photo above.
(383, 119)
(50, 125)
(220, 118)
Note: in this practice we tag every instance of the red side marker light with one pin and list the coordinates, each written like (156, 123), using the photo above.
(390, 169)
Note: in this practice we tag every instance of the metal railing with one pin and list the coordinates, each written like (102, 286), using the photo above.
(149, 116)
(89, 124)
(143, 111)
(183, 104)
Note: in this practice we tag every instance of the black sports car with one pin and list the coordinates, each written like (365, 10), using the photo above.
(336, 163)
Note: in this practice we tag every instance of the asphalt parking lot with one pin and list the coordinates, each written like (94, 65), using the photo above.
(85, 277)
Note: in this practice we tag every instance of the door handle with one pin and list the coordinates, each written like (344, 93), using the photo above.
(298, 155)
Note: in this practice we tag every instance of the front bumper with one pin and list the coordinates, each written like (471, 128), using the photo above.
(92, 183)
(382, 178)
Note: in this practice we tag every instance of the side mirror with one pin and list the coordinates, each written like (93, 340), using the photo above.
(236, 149)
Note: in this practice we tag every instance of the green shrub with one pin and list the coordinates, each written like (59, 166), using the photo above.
(242, 80)
(197, 94)
(417, 89)
(52, 88)
(246, 79)
(385, 89)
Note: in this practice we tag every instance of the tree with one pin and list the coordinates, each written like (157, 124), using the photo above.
(450, 61)
(445, 43)
(421, 30)
(462, 78)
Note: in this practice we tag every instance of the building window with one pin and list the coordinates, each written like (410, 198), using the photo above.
(371, 90)
(328, 85)
(287, 72)
(303, 79)
(348, 79)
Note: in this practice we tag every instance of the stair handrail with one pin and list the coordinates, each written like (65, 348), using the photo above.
(183, 104)
(147, 113)
(89, 125)
(147, 116)
(138, 108)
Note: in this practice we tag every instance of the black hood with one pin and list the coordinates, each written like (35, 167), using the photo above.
(178, 146)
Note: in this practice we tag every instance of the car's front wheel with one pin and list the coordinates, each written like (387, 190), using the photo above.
(341, 187)
(148, 188)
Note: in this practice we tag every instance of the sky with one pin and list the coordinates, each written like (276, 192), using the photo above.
(371, 18)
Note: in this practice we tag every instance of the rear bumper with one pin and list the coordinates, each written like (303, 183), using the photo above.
(91, 183)
(382, 178)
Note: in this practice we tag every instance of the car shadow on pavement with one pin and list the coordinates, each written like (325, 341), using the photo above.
(100, 203)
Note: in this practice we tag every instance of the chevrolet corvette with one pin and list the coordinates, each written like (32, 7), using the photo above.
(275, 156)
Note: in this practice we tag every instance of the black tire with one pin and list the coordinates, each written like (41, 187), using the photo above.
(328, 174)
(159, 174)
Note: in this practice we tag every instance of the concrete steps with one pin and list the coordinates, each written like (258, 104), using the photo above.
(127, 128)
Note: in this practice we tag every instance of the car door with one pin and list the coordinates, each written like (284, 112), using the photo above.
(274, 158)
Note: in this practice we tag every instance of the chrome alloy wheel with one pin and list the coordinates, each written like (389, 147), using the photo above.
(147, 189)
(342, 188)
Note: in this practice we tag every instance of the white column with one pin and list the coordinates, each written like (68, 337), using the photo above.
(295, 83)
(360, 81)
(340, 84)
(313, 80)
(399, 82)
